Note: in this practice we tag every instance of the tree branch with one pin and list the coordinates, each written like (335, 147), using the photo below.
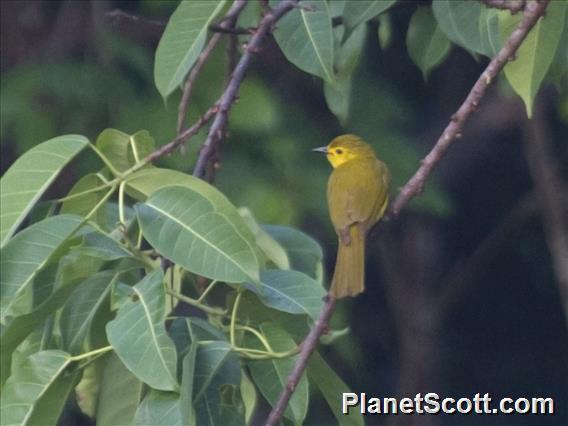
(533, 11)
(227, 23)
(227, 100)
(512, 5)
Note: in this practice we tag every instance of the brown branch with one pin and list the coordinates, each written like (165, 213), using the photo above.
(228, 98)
(308, 346)
(544, 169)
(533, 11)
(227, 22)
(235, 31)
(512, 5)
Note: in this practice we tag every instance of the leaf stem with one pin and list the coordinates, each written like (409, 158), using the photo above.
(207, 290)
(91, 353)
(234, 316)
(258, 335)
(100, 203)
(87, 191)
(105, 160)
(196, 303)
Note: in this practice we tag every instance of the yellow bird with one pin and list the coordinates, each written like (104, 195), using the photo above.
(357, 195)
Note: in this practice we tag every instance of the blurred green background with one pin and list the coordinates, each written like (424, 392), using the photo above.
(461, 292)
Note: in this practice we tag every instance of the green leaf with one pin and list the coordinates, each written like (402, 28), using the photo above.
(123, 150)
(217, 369)
(534, 56)
(159, 408)
(290, 291)
(273, 251)
(304, 252)
(30, 381)
(182, 42)
(138, 335)
(78, 313)
(460, 21)
(250, 399)
(306, 39)
(120, 394)
(103, 247)
(87, 389)
(357, 12)
(426, 43)
(331, 386)
(83, 205)
(186, 392)
(271, 376)
(384, 31)
(28, 252)
(30, 176)
(489, 31)
(194, 232)
(201, 330)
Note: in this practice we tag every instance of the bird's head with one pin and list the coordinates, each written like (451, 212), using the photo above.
(345, 148)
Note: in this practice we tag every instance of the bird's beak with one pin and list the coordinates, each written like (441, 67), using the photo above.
(320, 149)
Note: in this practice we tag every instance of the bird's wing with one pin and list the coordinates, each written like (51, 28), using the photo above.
(352, 194)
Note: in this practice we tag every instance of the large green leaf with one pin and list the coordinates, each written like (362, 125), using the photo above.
(331, 386)
(426, 43)
(187, 380)
(138, 335)
(357, 12)
(30, 381)
(290, 291)
(194, 232)
(159, 408)
(271, 376)
(217, 370)
(123, 150)
(28, 252)
(80, 310)
(182, 42)
(119, 395)
(306, 39)
(534, 56)
(304, 252)
(28, 178)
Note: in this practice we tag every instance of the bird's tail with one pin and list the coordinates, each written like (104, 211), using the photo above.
(349, 275)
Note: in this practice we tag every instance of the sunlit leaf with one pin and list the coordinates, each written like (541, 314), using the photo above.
(306, 39)
(138, 335)
(182, 42)
(30, 381)
(29, 177)
(271, 376)
(123, 150)
(28, 252)
(534, 56)
(198, 234)
(290, 291)
(426, 43)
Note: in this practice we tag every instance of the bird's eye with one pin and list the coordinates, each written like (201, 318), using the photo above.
(339, 151)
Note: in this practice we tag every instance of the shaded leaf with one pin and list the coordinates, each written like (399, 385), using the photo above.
(138, 334)
(194, 232)
(83, 205)
(384, 31)
(534, 56)
(272, 375)
(306, 39)
(103, 247)
(426, 43)
(304, 252)
(28, 252)
(30, 176)
(248, 394)
(331, 387)
(182, 42)
(290, 291)
(119, 395)
(186, 391)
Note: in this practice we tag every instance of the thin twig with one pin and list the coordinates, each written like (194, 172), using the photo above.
(120, 14)
(217, 129)
(512, 5)
(307, 347)
(533, 11)
(227, 22)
